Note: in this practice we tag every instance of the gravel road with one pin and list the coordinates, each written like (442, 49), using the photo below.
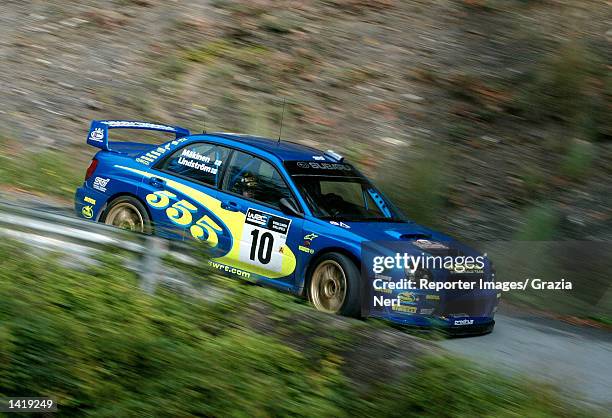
(577, 359)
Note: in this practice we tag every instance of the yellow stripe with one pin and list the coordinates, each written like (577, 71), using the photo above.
(235, 223)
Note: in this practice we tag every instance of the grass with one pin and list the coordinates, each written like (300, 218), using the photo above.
(560, 87)
(93, 341)
(49, 171)
(244, 55)
(541, 223)
(463, 390)
(577, 162)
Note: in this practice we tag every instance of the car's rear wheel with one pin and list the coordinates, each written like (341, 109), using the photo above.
(126, 212)
(334, 285)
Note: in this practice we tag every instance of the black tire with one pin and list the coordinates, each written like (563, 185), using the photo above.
(136, 219)
(319, 288)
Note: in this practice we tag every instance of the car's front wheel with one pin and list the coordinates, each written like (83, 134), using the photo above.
(334, 285)
(126, 212)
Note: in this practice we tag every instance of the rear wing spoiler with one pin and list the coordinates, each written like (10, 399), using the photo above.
(98, 131)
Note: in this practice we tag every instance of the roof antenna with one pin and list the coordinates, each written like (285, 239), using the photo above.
(280, 129)
(204, 116)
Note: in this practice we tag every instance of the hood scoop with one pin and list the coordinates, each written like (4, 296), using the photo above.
(408, 237)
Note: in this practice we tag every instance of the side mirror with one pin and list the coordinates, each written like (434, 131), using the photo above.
(289, 207)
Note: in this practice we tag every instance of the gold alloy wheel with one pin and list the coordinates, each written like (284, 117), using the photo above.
(328, 287)
(125, 216)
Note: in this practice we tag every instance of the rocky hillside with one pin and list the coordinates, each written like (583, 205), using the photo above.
(489, 119)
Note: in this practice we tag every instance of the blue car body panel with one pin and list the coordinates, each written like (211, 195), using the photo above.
(183, 209)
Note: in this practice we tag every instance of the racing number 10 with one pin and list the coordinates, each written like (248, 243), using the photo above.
(265, 243)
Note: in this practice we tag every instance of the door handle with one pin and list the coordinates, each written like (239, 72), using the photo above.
(156, 182)
(231, 206)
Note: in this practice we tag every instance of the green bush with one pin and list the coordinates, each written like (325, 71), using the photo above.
(578, 160)
(569, 85)
(98, 345)
(462, 390)
(541, 223)
(52, 172)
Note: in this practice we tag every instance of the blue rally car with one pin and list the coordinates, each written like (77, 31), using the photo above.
(274, 212)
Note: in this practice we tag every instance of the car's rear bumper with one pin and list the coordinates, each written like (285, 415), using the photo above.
(88, 203)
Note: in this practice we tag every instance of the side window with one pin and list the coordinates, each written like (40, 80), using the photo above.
(201, 162)
(255, 179)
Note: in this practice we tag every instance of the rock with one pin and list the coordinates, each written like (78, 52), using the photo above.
(412, 98)
(93, 104)
(144, 3)
(65, 85)
(73, 22)
(392, 141)
(43, 62)
(490, 139)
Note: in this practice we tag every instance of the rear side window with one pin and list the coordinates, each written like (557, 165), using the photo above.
(200, 162)
(256, 179)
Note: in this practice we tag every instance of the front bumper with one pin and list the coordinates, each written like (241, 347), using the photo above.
(479, 329)
(448, 325)
(454, 312)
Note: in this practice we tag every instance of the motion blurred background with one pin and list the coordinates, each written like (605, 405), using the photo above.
(486, 119)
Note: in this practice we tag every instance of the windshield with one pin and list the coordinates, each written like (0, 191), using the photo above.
(339, 192)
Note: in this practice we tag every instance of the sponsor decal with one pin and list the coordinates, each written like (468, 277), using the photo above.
(324, 166)
(403, 308)
(426, 311)
(271, 222)
(463, 322)
(233, 242)
(90, 200)
(229, 269)
(131, 124)
(310, 237)
(342, 224)
(432, 297)
(426, 244)
(181, 213)
(97, 135)
(257, 218)
(318, 157)
(463, 269)
(100, 183)
(305, 249)
(87, 211)
(407, 297)
(152, 156)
